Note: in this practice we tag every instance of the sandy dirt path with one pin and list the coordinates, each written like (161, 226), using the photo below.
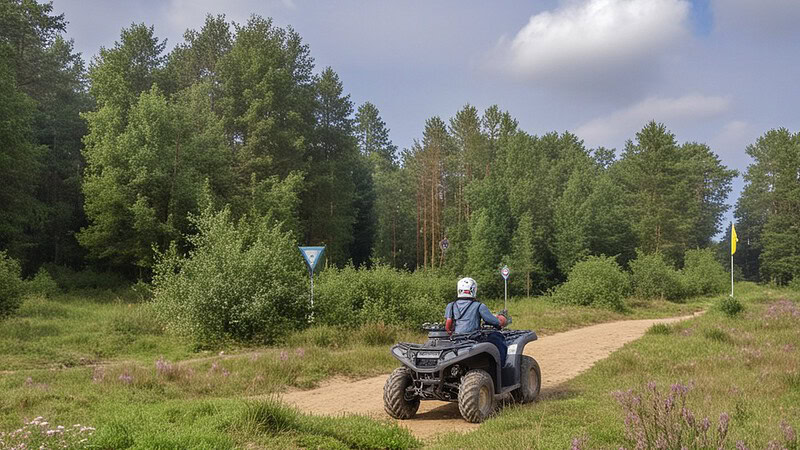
(561, 357)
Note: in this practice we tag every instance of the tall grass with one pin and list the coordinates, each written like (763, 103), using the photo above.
(743, 372)
(98, 358)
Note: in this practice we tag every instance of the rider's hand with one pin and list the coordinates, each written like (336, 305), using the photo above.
(502, 320)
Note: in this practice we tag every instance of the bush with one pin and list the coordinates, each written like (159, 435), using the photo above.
(11, 286)
(243, 282)
(730, 306)
(596, 281)
(42, 284)
(71, 280)
(703, 274)
(652, 277)
(795, 283)
(351, 297)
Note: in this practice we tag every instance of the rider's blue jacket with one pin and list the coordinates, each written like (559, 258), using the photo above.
(467, 315)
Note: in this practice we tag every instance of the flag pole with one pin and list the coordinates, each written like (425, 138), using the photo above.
(733, 250)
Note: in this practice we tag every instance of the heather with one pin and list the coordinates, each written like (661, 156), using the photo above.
(97, 357)
(714, 381)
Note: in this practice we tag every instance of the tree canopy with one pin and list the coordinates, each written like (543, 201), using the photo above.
(107, 166)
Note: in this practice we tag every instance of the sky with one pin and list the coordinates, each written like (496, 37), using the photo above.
(720, 72)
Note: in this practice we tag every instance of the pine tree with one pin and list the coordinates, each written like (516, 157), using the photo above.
(769, 208)
(329, 211)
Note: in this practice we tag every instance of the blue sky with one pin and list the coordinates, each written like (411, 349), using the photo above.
(721, 72)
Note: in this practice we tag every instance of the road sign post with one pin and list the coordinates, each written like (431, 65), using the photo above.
(312, 255)
(504, 272)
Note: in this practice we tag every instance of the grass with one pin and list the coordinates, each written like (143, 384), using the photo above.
(98, 358)
(746, 367)
(546, 317)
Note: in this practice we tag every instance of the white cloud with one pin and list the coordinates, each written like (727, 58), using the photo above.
(583, 40)
(612, 129)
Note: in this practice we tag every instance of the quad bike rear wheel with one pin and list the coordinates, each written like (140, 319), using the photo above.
(396, 400)
(530, 379)
(476, 396)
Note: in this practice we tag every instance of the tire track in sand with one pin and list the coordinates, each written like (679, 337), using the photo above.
(561, 356)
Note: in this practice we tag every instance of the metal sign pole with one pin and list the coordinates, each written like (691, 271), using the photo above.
(505, 302)
(505, 273)
(311, 318)
(312, 255)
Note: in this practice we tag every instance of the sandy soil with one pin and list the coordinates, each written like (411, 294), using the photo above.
(561, 356)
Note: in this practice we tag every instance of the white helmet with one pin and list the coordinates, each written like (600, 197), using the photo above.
(467, 288)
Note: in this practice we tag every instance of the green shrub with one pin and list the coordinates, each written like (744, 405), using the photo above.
(703, 274)
(795, 283)
(730, 306)
(351, 297)
(652, 277)
(11, 286)
(596, 281)
(42, 284)
(242, 282)
(71, 280)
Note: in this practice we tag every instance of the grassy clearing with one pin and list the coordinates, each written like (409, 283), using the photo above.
(746, 366)
(98, 358)
(545, 317)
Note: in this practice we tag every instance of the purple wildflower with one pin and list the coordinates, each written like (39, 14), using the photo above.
(578, 443)
(126, 378)
(788, 432)
(284, 355)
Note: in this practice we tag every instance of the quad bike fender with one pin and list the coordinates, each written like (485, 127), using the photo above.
(510, 373)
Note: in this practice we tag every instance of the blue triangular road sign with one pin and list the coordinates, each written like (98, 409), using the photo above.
(312, 255)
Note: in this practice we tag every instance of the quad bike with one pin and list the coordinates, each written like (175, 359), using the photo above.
(461, 368)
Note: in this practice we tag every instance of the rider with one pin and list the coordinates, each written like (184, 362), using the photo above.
(464, 316)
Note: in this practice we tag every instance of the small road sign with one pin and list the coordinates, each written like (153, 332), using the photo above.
(312, 255)
(504, 272)
(444, 243)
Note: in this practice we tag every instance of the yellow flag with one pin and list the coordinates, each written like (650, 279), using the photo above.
(734, 239)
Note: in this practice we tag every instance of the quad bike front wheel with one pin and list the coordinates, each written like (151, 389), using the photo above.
(396, 400)
(476, 396)
(530, 379)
